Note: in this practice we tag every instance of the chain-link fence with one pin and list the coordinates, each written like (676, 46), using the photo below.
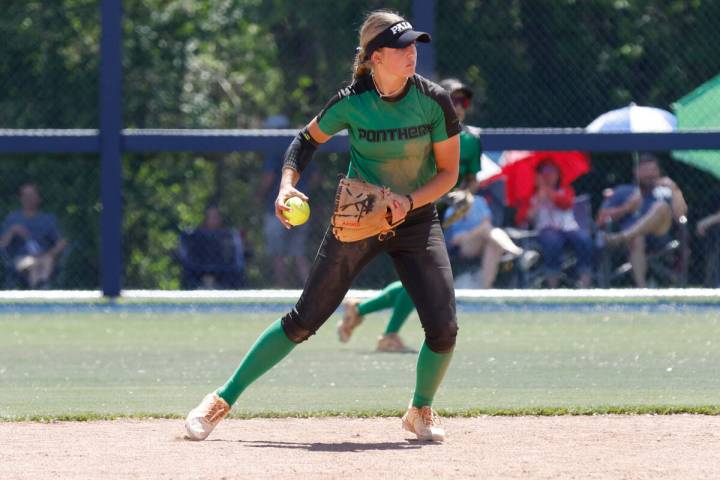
(254, 64)
(547, 63)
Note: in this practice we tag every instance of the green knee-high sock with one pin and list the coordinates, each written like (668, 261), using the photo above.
(270, 347)
(431, 368)
(402, 309)
(385, 299)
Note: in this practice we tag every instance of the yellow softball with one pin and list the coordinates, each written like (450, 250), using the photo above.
(299, 211)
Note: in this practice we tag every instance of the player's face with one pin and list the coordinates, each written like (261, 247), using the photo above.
(400, 62)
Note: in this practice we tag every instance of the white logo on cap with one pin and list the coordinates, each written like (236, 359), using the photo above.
(400, 27)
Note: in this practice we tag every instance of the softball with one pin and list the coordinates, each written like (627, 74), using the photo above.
(299, 211)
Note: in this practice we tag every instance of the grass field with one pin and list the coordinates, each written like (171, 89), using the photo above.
(94, 364)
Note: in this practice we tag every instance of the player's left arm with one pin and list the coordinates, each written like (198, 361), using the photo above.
(445, 138)
(447, 159)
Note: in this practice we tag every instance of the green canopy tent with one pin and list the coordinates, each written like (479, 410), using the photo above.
(700, 109)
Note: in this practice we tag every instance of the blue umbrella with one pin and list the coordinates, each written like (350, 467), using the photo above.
(634, 119)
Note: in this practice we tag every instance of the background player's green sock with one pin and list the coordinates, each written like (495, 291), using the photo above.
(385, 299)
(402, 308)
(431, 368)
(270, 347)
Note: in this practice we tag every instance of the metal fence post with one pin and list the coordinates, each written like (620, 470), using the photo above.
(110, 147)
(423, 12)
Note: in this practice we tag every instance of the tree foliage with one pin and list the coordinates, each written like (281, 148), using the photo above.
(232, 63)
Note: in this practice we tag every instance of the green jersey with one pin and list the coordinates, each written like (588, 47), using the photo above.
(470, 152)
(391, 139)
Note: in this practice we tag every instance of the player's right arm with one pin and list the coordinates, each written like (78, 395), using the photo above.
(330, 120)
(291, 173)
(314, 129)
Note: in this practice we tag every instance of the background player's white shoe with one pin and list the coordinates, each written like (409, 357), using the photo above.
(424, 423)
(351, 319)
(204, 418)
(392, 343)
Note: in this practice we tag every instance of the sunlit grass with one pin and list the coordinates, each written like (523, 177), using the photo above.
(84, 366)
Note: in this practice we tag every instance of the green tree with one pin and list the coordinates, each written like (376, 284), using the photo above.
(232, 63)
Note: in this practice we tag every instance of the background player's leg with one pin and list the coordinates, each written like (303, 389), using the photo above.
(402, 308)
(334, 269)
(390, 341)
(383, 300)
(395, 296)
(356, 310)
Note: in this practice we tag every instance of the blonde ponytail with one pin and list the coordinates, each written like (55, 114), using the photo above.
(360, 65)
(374, 24)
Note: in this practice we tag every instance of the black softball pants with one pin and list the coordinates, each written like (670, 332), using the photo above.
(421, 261)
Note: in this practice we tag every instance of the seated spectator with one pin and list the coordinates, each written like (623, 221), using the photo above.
(31, 241)
(643, 212)
(709, 229)
(290, 262)
(551, 213)
(473, 236)
(213, 256)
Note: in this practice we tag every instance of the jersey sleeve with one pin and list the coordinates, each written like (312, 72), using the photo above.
(333, 117)
(445, 122)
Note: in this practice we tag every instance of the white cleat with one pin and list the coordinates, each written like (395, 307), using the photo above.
(204, 418)
(424, 423)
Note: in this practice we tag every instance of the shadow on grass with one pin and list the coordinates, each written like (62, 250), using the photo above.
(342, 447)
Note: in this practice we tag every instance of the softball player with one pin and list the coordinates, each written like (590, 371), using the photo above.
(404, 136)
(395, 295)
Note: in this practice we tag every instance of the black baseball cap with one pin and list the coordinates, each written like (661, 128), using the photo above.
(397, 35)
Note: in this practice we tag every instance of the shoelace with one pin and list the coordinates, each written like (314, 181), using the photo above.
(216, 410)
(429, 417)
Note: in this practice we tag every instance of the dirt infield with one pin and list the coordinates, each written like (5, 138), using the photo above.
(628, 447)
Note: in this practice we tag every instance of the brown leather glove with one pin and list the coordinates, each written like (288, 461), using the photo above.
(362, 210)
